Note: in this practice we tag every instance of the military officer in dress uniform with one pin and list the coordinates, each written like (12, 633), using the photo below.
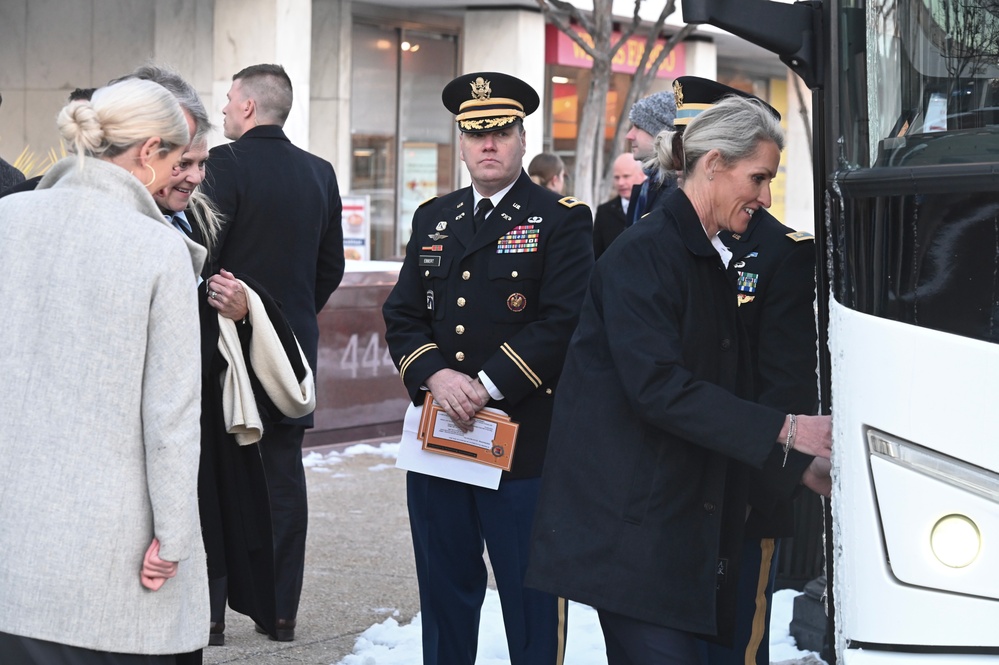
(487, 299)
(773, 270)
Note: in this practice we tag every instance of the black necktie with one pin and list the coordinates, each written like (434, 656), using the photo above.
(485, 205)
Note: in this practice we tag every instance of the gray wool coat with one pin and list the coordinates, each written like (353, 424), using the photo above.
(99, 415)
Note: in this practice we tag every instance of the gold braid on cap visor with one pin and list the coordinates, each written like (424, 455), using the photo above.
(489, 113)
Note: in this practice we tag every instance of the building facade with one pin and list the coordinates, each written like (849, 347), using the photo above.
(371, 75)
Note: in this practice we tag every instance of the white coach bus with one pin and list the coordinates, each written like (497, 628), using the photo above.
(906, 150)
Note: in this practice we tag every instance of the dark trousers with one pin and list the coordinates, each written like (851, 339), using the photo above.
(281, 451)
(450, 522)
(751, 642)
(633, 642)
(17, 650)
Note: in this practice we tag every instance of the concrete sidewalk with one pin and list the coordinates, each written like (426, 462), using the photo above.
(358, 571)
(358, 568)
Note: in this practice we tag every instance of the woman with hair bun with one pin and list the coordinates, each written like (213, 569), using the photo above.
(99, 407)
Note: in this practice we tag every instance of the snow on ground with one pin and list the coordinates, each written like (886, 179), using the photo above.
(392, 643)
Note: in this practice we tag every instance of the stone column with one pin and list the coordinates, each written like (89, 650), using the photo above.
(511, 41)
(253, 32)
(702, 59)
(331, 77)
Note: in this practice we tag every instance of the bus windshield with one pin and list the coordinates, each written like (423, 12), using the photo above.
(932, 81)
(915, 163)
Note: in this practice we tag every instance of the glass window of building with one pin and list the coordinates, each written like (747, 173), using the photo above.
(402, 139)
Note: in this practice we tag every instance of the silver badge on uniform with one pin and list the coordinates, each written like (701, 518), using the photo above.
(430, 300)
(441, 226)
(534, 220)
(739, 264)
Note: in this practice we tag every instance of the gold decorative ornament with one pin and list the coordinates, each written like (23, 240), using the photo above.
(678, 93)
(488, 123)
(480, 88)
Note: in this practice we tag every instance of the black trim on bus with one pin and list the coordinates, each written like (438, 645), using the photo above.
(909, 180)
(919, 245)
(928, 649)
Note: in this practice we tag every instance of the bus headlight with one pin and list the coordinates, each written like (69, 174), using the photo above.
(955, 541)
(938, 516)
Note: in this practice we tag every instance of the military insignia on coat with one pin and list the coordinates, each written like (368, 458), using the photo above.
(520, 240)
(432, 248)
(516, 302)
(436, 236)
(747, 282)
(516, 206)
(505, 216)
(739, 264)
(441, 225)
(798, 236)
(742, 299)
(534, 220)
(430, 300)
(570, 201)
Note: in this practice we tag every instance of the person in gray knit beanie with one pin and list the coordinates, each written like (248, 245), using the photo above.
(649, 116)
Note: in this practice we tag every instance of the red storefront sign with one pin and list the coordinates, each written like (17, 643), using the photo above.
(560, 49)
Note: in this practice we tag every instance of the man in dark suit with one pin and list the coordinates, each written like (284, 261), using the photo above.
(282, 207)
(773, 270)
(487, 299)
(9, 174)
(612, 217)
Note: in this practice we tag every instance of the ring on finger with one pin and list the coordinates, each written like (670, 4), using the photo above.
(212, 295)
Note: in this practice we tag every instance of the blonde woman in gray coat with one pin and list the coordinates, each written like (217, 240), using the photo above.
(101, 557)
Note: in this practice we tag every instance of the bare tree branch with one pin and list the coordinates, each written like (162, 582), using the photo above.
(566, 27)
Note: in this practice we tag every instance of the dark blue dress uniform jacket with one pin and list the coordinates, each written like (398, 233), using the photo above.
(505, 301)
(773, 268)
(644, 489)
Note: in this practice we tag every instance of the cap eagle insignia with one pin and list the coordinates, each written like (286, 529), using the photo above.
(480, 88)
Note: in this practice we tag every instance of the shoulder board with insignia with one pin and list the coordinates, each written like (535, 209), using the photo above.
(798, 236)
(432, 198)
(570, 201)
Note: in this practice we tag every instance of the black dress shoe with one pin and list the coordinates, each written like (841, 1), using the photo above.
(216, 634)
(284, 630)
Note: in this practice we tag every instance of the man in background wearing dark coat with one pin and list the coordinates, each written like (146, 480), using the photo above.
(487, 299)
(282, 206)
(612, 216)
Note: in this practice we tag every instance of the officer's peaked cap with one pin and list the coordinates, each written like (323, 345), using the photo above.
(695, 94)
(488, 101)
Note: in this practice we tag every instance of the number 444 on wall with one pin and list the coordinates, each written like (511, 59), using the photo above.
(373, 358)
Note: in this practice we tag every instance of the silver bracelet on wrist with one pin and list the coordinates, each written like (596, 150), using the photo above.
(792, 429)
